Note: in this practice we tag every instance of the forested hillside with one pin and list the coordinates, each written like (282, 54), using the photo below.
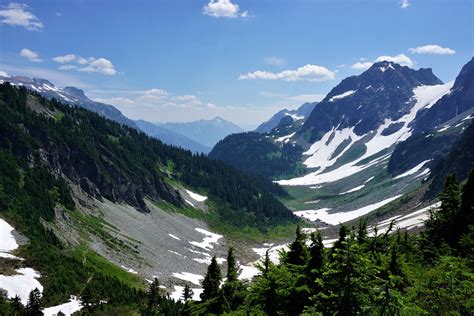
(110, 160)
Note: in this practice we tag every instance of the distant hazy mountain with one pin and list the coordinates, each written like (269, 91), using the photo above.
(170, 137)
(205, 132)
(299, 114)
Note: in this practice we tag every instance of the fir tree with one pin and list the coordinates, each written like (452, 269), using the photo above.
(298, 253)
(187, 293)
(211, 281)
(34, 307)
(17, 307)
(232, 270)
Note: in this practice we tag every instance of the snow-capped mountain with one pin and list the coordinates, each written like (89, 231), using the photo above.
(299, 114)
(69, 95)
(372, 139)
(205, 132)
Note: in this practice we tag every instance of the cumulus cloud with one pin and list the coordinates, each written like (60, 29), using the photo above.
(100, 65)
(404, 4)
(223, 9)
(30, 55)
(91, 64)
(275, 61)
(401, 59)
(65, 59)
(3, 74)
(361, 65)
(18, 14)
(433, 50)
(308, 72)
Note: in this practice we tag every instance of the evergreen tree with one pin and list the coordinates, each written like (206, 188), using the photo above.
(17, 307)
(187, 293)
(34, 307)
(232, 270)
(211, 281)
(154, 293)
(298, 253)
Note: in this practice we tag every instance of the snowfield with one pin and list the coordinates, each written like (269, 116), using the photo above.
(342, 217)
(196, 197)
(190, 277)
(7, 241)
(321, 152)
(408, 221)
(21, 284)
(68, 308)
(25, 280)
(353, 189)
(207, 242)
(414, 169)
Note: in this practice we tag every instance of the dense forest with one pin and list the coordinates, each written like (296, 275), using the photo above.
(256, 153)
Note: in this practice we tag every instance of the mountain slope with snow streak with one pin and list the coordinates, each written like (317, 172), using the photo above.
(322, 153)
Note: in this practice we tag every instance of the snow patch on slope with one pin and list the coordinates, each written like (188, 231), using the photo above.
(342, 95)
(207, 242)
(342, 217)
(196, 197)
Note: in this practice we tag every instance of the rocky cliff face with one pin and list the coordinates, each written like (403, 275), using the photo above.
(364, 102)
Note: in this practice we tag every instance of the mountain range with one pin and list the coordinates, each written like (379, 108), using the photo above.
(205, 132)
(372, 139)
(101, 206)
(199, 136)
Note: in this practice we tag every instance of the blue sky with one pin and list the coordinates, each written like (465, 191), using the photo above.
(243, 60)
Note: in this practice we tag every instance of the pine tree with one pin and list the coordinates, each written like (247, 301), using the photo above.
(34, 306)
(154, 294)
(211, 281)
(17, 307)
(187, 293)
(298, 253)
(232, 270)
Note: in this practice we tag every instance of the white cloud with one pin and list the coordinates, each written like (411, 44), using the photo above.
(67, 67)
(433, 50)
(275, 61)
(401, 59)
(361, 65)
(308, 72)
(100, 65)
(18, 14)
(65, 59)
(91, 64)
(223, 9)
(404, 4)
(30, 55)
(3, 74)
